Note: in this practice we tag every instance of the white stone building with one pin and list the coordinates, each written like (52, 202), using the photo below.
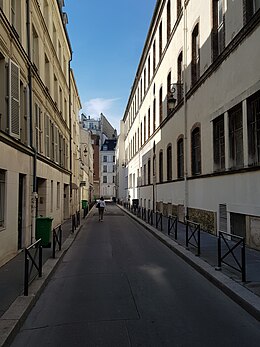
(192, 143)
(108, 169)
(38, 104)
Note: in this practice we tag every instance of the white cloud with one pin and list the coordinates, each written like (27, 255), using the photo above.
(109, 107)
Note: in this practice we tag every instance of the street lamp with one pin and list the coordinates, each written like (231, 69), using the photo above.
(174, 94)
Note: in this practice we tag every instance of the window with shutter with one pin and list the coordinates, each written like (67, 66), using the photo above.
(14, 99)
(47, 136)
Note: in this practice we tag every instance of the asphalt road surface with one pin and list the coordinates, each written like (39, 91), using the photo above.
(119, 286)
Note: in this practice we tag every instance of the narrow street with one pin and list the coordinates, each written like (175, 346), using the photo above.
(119, 286)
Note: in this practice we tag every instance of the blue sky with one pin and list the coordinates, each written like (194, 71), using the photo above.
(107, 38)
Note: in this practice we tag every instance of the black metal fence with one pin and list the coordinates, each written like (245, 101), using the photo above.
(232, 243)
(31, 254)
(173, 225)
(193, 234)
(56, 239)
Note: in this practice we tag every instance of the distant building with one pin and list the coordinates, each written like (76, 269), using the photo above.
(108, 169)
(101, 131)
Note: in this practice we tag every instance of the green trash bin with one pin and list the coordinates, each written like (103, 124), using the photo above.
(43, 230)
(84, 203)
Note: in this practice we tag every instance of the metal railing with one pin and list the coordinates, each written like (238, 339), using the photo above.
(27, 268)
(73, 223)
(172, 225)
(158, 220)
(56, 239)
(150, 217)
(240, 241)
(193, 233)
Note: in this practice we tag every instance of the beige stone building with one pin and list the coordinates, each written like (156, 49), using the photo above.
(192, 135)
(39, 106)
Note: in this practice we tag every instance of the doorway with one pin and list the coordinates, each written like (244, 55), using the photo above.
(20, 210)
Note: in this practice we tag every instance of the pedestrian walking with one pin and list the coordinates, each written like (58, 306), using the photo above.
(101, 207)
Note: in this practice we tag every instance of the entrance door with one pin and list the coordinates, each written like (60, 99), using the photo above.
(238, 224)
(20, 210)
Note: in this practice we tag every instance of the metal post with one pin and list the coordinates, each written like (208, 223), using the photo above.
(219, 251)
(161, 221)
(40, 261)
(53, 243)
(199, 240)
(169, 219)
(60, 237)
(187, 234)
(26, 279)
(243, 256)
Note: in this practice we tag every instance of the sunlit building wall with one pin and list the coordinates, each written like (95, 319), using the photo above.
(192, 140)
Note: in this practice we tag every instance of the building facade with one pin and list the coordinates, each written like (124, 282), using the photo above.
(35, 120)
(192, 118)
(108, 169)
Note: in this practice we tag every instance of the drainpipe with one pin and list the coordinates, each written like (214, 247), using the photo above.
(186, 192)
(34, 192)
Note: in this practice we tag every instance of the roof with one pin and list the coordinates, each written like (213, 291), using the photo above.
(109, 145)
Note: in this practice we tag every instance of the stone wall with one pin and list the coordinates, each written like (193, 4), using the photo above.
(207, 219)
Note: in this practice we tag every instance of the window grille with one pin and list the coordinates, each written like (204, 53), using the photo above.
(180, 158)
(253, 128)
(196, 152)
(236, 137)
(219, 143)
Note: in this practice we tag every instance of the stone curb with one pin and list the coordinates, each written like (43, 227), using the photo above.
(12, 320)
(237, 292)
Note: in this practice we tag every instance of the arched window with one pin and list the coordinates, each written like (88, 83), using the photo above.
(168, 19)
(178, 7)
(180, 158)
(195, 62)
(169, 163)
(161, 166)
(180, 77)
(196, 152)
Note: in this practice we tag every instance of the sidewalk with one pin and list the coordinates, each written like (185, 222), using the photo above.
(13, 305)
(246, 294)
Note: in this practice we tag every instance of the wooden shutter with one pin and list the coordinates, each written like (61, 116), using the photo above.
(14, 99)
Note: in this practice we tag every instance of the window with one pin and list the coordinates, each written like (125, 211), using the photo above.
(114, 158)
(154, 56)
(219, 143)
(195, 63)
(16, 15)
(169, 78)
(144, 174)
(141, 134)
(2, 198)
(14, 99)
(144, 129)
(141, 90)
(180, 77)
(253, 128)
(58, 195)
(104, 168)
(169, 163)
(35, 47)
(144, 80)
(160, 106)
(179, 7)
(160, 41)
(250, 8)
(149, 171)
(161, 166)
(47, 72)
(38, 129)
(105, 159)
(218, 37)
(148, 122)
(168, 19)
(149, 70)
(47, 136)
(46, 13)
(196, 152)
(104, 179)
(180, 158)
(236, 136)
(154, 114)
